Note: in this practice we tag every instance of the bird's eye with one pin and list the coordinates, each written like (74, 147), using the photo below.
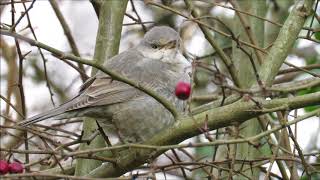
(154, 46)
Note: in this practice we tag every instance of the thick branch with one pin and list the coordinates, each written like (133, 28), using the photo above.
(189, 126)
(286, 38)
(111, 15)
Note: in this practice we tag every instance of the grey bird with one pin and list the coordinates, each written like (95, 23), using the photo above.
(156, 63)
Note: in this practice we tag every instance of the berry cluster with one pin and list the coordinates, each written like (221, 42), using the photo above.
(13, 168)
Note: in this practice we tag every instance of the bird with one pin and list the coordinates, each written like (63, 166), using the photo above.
(156, 63)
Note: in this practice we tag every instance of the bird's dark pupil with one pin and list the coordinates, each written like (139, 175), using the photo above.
(154, 46)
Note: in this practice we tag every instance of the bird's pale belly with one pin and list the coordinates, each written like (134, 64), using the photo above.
(137, 120)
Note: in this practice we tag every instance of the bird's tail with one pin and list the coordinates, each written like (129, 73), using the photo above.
(58, 113)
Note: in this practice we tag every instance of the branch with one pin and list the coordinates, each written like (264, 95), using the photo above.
(226, 60)
(189, 126)
(69, 36)
(285, 40)
(111, 15)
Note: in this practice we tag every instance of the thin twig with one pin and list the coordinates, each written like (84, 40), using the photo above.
(70, 38)
(139, 18)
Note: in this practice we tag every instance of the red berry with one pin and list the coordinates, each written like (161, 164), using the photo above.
(183, 90)
(15, 167)
(4, 167)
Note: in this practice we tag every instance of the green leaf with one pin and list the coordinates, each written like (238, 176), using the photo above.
(317, 35)
(308, 91)
(312, 60)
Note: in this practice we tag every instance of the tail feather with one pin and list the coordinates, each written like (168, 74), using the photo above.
(57, 114)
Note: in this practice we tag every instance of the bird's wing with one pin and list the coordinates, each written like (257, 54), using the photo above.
(96, 91)
(103, 90)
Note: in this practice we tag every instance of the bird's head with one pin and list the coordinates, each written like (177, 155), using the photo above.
(161, 43)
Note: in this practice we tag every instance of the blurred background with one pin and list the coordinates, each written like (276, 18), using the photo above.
(45, 87)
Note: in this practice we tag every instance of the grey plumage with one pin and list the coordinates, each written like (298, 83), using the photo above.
(155, 63)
